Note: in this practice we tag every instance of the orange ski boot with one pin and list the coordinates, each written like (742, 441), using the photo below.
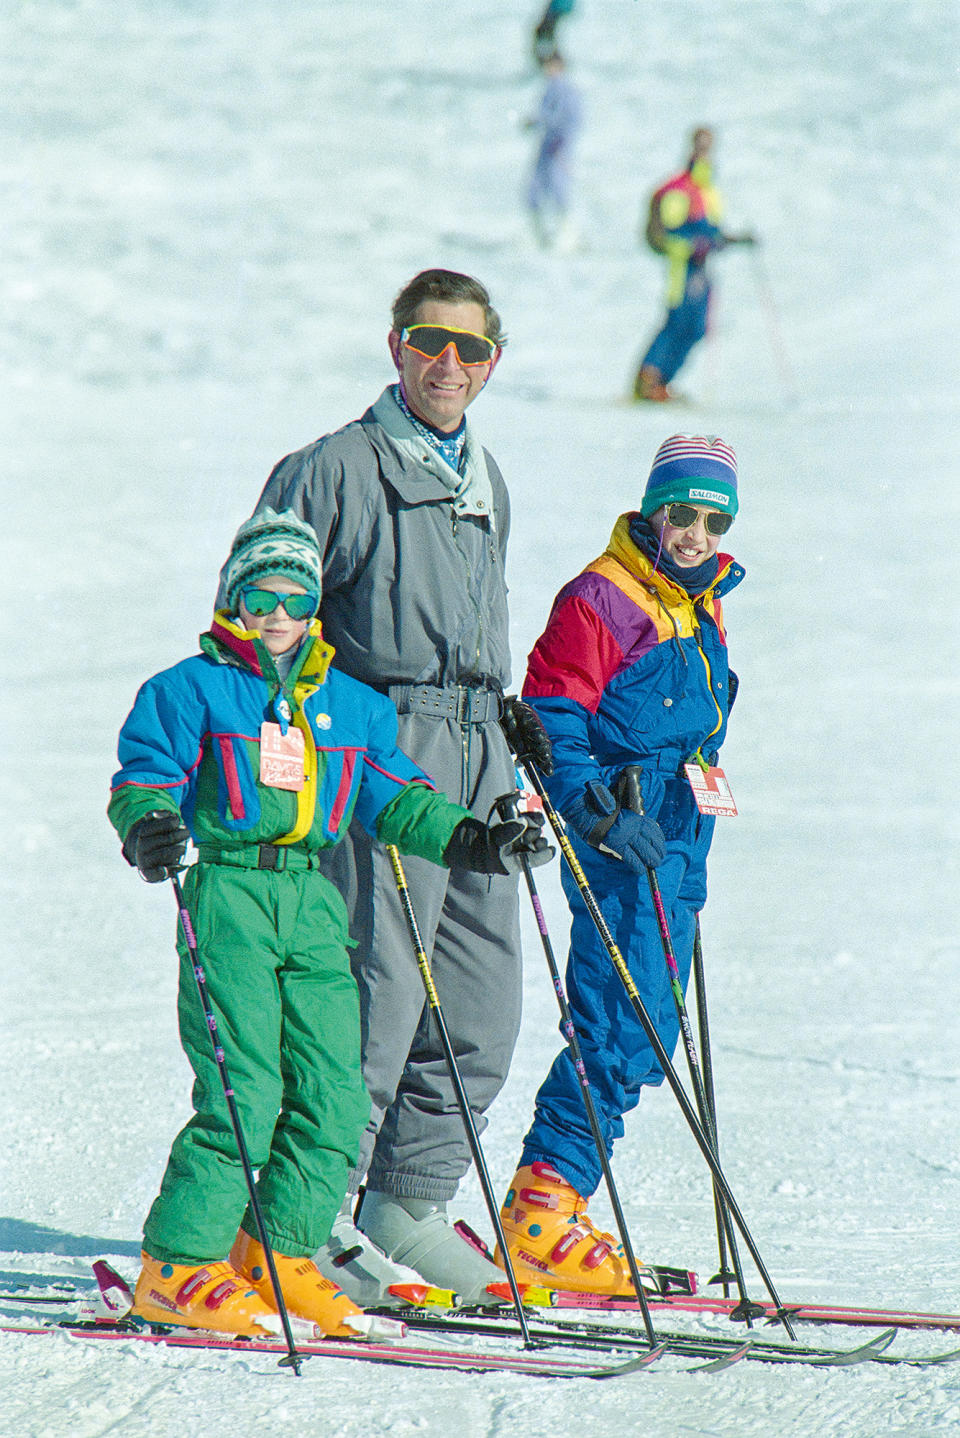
(649, 386)
(209, 1295)
(307, 1294)
(551, 1240)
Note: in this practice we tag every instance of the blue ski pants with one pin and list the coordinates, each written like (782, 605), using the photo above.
(684, 327)
(618, 1058)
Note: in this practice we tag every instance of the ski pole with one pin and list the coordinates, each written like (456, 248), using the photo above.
(632, 797)
(663, 1058)
(293, 1359)
(774, 329)
(509, 808)
(706, 1063)
(469, 1124)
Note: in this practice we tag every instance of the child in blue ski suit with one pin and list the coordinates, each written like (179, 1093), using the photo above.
(558, 122)
(631, 670)
(261, 752)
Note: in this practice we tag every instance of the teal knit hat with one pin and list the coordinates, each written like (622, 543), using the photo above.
(695, 468)
(272, 543)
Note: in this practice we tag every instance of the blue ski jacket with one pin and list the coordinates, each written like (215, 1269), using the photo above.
(191, 744)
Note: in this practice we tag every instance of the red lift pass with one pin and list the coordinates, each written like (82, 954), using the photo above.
(281, 757)
(711, 791)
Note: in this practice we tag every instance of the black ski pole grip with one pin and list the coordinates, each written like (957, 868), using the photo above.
(508, 805)
(631, 795)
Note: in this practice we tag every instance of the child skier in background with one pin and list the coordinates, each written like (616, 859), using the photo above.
(260, 751)
(558, 122)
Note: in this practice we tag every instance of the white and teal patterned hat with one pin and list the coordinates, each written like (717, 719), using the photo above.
(272, 543)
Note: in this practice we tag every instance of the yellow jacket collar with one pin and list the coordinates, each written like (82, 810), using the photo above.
(625, 552)
(246, 646)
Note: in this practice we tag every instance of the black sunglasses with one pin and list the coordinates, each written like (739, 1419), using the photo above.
(681, 516)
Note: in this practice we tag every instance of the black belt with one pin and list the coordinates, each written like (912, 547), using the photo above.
(258, 856)
(464, 703)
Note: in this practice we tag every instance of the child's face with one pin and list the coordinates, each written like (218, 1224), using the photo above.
(277, 630)
(691, 546)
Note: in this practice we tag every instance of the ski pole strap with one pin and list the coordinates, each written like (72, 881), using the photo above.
(602, 802)
(277, 857)
(480, 703)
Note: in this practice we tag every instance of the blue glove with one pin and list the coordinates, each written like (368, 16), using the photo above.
(635, 839)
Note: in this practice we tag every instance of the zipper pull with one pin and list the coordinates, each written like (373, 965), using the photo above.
(283, 712)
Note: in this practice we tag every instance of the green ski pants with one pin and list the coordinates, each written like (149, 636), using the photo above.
(273, 948)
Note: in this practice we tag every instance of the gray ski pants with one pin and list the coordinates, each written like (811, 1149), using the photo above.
(415, 1145)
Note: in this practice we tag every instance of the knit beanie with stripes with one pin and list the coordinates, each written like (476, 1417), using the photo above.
(271, 543)
(693, 468)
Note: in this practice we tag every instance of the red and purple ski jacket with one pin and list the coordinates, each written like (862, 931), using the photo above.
(631, 670)
(684, 225)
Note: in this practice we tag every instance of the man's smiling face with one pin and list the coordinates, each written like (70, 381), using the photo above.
(439, 390)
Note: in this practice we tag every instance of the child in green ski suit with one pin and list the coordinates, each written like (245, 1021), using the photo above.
(261, 752)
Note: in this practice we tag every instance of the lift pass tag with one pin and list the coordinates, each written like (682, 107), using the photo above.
(281, 757)
(711, 791)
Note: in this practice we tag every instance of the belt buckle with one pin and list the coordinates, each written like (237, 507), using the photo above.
(269, 857)
(463, 703)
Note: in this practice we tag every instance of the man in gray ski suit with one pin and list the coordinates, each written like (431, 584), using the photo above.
(413, 517)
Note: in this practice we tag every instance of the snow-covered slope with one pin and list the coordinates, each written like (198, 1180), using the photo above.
(208, 210)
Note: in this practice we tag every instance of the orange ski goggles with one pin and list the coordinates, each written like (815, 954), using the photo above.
(431, 341)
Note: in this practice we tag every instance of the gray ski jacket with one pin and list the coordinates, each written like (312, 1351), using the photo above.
(381, 500)
(415, 604)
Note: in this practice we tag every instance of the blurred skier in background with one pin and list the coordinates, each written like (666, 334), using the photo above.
(683, 225)
(545, 31)
(558, 121)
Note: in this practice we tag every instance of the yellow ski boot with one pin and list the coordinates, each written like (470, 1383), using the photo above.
(209, 1295)
(553, 1243)
(307, 1294)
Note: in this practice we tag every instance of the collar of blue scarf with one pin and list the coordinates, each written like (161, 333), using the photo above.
(448, 446)
(694, 581)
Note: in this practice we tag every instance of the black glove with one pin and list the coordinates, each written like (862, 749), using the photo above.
(156, 845)
(498, 848)
(525, 734)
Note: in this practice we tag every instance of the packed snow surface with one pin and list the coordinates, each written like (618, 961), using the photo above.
(208, 209)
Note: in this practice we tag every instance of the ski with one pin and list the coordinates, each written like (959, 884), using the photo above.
(721, 1352)
(65, 1300)
(357, 1349)
(565, 1335)
(700, 1304)
(757, 1350)
(677, 1290)
(416, 1299)
(804, 1312)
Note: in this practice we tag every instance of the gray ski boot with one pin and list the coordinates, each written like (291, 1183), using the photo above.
(417, 1232)
(363, 1272)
